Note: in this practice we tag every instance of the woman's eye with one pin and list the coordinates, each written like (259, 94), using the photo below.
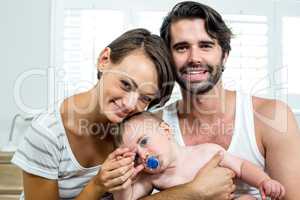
(126, 85)
(146, 99)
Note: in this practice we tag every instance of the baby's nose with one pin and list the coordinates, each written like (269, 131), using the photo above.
(142, 154)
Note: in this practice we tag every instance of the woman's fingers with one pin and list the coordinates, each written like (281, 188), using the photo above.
(126, 184)
(117, 152)
(137, 170)
(114, 164)
(119, 180)
(119, 171)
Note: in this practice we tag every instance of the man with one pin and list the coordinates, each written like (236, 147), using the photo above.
(260, 130)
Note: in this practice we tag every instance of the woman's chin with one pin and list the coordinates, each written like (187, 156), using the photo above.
(114, 118)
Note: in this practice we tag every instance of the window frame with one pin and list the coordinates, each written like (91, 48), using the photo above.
(274, 10)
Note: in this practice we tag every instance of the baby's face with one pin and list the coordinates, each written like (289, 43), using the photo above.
(148, 139)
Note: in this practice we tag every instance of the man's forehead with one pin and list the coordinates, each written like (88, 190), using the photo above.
(188, 30)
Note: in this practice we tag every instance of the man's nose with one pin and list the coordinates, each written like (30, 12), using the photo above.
(195, 55)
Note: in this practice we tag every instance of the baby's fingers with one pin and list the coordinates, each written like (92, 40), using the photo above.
(137, 170)
(282, 192)
(275, 191)
(263, 193)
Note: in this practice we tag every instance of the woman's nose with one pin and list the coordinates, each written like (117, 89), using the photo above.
(130, 101)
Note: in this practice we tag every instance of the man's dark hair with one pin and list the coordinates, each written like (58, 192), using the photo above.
(214, 24)
(155, 49)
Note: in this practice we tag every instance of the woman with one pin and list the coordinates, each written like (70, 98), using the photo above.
(69, 153)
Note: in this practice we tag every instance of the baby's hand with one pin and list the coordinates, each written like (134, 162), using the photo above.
(271, 188)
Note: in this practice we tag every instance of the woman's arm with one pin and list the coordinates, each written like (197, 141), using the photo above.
(141, 187)
(92, 191)
(47, 189)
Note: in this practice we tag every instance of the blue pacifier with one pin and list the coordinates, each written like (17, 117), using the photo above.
(152, 162)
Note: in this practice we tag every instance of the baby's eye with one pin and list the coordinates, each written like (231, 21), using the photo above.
(143, 142)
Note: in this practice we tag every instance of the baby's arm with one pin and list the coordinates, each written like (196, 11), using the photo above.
(141, 187)
(254, 176)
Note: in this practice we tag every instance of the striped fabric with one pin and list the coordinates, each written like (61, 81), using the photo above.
(45, 152)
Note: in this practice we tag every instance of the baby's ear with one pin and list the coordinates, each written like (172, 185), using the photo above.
(166, 129)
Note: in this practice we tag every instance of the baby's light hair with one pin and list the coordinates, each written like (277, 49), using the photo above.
(142, 116)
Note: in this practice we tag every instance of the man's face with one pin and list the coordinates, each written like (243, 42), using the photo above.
(198, 57)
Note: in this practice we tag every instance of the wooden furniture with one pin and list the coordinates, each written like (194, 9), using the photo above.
(10, 178)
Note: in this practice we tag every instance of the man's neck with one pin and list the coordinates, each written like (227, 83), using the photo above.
(211, 104)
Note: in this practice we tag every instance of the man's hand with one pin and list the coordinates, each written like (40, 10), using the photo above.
(213, 182)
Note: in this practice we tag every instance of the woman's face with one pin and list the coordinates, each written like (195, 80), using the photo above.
(127, 87)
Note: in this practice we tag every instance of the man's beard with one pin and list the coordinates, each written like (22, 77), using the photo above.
(203, 86)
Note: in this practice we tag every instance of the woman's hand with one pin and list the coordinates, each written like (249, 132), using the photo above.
(214, 182)
(116, 171)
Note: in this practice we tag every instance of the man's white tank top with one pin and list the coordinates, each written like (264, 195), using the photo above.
(243, 142)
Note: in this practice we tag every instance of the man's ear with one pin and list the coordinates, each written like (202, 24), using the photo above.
(224, 60)
(103, 59)
(166, 129)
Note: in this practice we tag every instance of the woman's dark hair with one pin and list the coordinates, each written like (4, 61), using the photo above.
(155, 49)
(214, 24)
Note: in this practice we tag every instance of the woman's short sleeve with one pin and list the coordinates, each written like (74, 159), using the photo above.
(40, 151)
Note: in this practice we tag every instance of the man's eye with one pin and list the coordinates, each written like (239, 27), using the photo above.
(181, 49)
(205, 46)
(126, 85)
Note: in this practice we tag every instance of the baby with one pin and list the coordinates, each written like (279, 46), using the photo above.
(164, 162)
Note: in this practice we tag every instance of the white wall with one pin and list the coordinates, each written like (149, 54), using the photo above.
(24, 45)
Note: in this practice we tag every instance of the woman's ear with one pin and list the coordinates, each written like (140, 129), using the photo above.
(103, 59)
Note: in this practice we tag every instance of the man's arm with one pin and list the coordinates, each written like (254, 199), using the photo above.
(276, 125)
(211, 182)
(142, 186)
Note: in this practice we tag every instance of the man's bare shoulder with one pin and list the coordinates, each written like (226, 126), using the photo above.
(274, 121)
(268, 107)
(271, 113)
